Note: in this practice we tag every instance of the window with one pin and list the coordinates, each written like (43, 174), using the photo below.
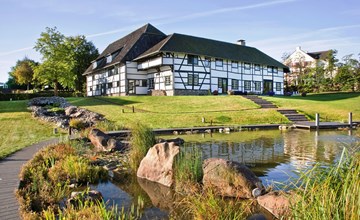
(234, 64)
(97, 87)
(218, 62)
(193, 59)
(247, 85)
(167, 54)
(111, 72)
(257, 86)
(247, 66)
(193, 79)
(108, 59)
(109, 85)
(234, 84)
(151, 83)
(257, 67)
(144, 83)
(272, 69)
(90, 88)
(207, 61)
(93, 77)
(167, 80)
(116, 84)
(278, 86)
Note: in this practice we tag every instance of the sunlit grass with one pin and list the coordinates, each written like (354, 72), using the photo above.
(330, 106)
(18, 129)
(185, 111)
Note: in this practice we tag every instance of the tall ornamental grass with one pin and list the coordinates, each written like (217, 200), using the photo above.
(330, 193)
(142, 139)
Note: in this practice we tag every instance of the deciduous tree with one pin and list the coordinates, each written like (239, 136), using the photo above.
(64, 59)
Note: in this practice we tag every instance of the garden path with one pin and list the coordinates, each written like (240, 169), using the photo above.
(9, 178)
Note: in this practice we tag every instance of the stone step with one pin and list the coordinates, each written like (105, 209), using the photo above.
(287, 111)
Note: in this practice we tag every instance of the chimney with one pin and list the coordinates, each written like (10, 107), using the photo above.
(298, 48)
(241, 42)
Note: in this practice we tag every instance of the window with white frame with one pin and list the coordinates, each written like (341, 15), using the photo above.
(257, 67)
(235, 84)
(247, 66)
(278, 86)
(234, 64)
(193, 79)
(219, 62)
(272, 69)
(257, 86)
(207, 61)
(108, 59)
(247, 85)
(192, 59)
(167, 80)
(151, 83)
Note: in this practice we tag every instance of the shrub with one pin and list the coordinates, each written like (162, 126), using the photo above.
(77, 124)
(142, 139)
(107, 125)
(45, 178)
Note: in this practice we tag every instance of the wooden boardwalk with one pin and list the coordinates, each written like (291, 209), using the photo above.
(9, 178)
(322, 125)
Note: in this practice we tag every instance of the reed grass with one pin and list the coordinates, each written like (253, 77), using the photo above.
(206, 205)
(95, 210)
(330, 193)
(142, 139)
(188, 167)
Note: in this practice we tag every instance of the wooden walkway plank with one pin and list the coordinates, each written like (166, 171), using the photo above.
(9, 178)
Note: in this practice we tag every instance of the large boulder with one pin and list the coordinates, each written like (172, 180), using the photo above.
(276, 202)
(157, 165)
(231, 179)
(103, 142)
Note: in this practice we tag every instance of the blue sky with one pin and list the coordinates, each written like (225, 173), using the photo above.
(273, 26)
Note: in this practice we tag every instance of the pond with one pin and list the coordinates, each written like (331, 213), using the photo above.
(274, 156)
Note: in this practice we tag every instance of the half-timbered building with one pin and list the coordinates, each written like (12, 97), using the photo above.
(149, 62)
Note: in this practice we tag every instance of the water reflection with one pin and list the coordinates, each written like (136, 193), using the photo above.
(276, 156)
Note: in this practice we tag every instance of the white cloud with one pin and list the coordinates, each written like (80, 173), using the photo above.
(15, 51)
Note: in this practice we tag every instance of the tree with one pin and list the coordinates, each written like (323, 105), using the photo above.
(348, 77)
(82, 52)
(24, 72)
(64, 59)
(21, 74)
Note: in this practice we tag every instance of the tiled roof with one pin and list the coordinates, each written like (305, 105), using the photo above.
(319, 55)
(129, 47)
(206, 47)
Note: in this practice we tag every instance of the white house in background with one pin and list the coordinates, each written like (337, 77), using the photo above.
(147, 60)
(3, 85)
(299, 60)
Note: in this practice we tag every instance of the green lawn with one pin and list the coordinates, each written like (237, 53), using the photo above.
(18, 129)
(330, 106)
(181, 111)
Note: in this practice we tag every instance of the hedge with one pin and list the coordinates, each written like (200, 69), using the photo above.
(25, 96)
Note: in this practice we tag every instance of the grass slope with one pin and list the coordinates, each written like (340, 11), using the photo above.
(180, 111)
(330, 106)
(18, 129)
